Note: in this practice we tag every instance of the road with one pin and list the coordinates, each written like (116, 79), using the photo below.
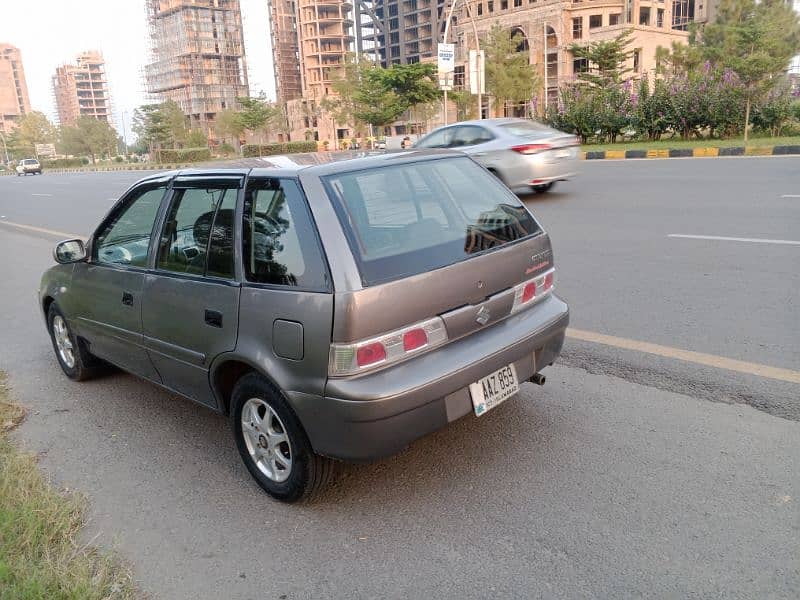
(628, 474)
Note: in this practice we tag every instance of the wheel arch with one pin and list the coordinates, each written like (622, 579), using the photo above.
(226, 371)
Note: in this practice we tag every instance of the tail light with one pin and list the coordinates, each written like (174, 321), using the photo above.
(531, 148)
(387, 349)
(528, 292)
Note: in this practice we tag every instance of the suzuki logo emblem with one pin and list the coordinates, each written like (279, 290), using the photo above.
(483, 315)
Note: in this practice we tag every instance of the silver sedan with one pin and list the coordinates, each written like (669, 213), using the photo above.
(524, 154)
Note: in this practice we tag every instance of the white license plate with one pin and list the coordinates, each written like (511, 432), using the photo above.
(493, 389)
(564, 154)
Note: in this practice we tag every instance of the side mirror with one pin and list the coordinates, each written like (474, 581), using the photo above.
(69, 251)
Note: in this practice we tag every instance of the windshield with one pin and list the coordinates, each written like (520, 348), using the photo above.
(406, 219)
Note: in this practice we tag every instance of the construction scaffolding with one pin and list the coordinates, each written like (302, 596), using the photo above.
(81, 89)
(198, 57)
(285, 49)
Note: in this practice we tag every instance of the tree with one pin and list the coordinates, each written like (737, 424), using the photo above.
(756, 40)
(160, 125)
(229, 125)
(89, 136)
(258, 113)
(606, 59)
(196, 139)
(34, 128)
(510, 79)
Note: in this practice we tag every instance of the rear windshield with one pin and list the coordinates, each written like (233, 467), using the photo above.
(406, 219)
(30, 161)
(523, 128)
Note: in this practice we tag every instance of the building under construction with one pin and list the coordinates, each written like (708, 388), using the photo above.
(198, 57)
(285, 49)
(81, 89)
(14, 100)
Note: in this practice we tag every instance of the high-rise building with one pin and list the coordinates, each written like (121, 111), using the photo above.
(81, 89)
(14, 100)
(325, 35)
(198, 57)
(285, 49)
(400, 31)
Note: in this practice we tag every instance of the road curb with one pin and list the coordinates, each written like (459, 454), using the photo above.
(708, 152)
(108, 169)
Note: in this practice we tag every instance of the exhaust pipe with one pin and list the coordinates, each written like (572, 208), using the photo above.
(538, 379)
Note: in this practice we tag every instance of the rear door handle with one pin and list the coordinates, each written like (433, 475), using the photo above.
(213, 318)
(127, 298)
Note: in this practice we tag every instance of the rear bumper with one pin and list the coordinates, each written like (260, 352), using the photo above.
(379, 414)
(538, 169)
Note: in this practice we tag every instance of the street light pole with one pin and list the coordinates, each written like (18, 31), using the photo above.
(5, 148)
(124, 136)
(478, 61)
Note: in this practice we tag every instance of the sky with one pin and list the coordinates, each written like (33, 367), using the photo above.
(53, 32)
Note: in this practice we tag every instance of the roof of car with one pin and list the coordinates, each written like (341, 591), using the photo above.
(320, 163)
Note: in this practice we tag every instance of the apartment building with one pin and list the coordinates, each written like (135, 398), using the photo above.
(14, 100)
(400, 31)
(198, 57)
(285, 49)
(81, 89)
(549, 27)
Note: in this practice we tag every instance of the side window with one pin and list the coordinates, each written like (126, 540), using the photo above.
(126, 238)
(438, 139)
(280, 245)
(198, 232)
(470, 135)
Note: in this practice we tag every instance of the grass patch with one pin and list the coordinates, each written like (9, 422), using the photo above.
(41, 555)
(678, 143)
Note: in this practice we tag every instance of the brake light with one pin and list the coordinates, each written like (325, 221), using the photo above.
(529, 291)
(416, 338)
(531, 148)
(389, 348)
(532, 290)
(370, 354)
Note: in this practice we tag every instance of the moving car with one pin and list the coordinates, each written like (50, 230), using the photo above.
(29, 165)
(335, 310)
(524, 154)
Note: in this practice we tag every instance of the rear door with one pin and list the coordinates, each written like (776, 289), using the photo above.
(190, 310)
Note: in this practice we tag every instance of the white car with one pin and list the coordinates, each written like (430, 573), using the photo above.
(29, 165)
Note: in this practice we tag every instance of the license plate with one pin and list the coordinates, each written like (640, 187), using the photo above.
(493, 389)
(563, 153)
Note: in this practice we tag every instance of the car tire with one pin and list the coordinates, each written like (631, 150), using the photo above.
(541, 189)
(74, 358)
(272, 442)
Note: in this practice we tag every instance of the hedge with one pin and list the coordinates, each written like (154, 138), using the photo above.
(65, 163)
(251, 150)
(184, 155)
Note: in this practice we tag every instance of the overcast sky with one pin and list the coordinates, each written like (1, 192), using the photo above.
(52, 32)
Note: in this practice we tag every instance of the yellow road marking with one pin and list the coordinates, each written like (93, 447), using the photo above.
(709, 360)
(60, 234)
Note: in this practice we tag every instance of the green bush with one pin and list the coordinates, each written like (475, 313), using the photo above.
(226, 149)
(251, 150)
(118, 159)
(184, 155)
(63, 163)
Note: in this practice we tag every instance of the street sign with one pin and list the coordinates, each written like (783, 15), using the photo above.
(45, 149)
(476, 72)
(446, 59)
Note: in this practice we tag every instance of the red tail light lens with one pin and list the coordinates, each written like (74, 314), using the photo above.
(416, 338)
(529, 292)
(548, 281)
(531, 148)
(370, 354)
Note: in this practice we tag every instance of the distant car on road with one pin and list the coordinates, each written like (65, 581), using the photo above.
(524, 154)
(29, 165)
(335, 310)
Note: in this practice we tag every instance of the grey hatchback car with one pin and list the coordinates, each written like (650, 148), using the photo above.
(334, 309)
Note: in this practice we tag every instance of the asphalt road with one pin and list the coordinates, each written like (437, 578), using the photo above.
(627, 475)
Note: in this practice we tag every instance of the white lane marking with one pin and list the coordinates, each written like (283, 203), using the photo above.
(790, 196)
(710, 360)
(60, 234)
(734, 239)
(41, 194)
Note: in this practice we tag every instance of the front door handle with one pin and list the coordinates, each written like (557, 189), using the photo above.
(213, 318)
(127, 298)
